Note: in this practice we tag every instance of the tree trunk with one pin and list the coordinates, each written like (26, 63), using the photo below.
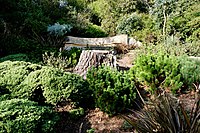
(94, 58)
(164, 24)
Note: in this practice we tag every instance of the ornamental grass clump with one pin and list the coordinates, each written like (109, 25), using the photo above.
(165, 114)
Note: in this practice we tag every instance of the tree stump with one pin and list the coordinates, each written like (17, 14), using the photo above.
(94, 58)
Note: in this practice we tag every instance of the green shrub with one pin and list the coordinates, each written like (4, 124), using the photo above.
(12, 44)
(130, 24)
(23, 116)
(43, 84)
(157, 71)
(190, 71)
(113, 90)
(94, 31)
(15, 57)
(56, 61)
(68, 87)
(171, 48)
(13, 73)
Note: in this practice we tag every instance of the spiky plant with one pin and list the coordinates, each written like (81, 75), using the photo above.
(166, 114)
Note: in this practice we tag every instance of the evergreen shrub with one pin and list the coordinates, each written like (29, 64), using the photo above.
(94, 31)
(67, 87)
(158, 70)
(130, 24)
(13, 73)
(24, 116)
(113, 91)
(42, 83)
(190, 71)
(15, 57)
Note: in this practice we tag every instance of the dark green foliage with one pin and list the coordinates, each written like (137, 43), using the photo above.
(73, 56)
(67, 87)
(130, 24)
(165, 114)
(190, 71)
(185, 23)
(76, 113)
(4, 93)
(43, 84)
(15, 57)
(113, 90)
(23, 116)
(158, 70)
(94, 31)
(14, 44)
(24, 24)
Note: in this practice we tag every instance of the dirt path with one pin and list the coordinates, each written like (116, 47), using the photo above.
(126, 60)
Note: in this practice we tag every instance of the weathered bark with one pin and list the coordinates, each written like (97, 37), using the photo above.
(94, 58)
(164, 24)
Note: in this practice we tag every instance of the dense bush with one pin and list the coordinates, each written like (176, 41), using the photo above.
(185, 22)
(94, 31)
(130, 24)
(15, 57)
(13, 44)
(43, 84)
(13, 73)
(23, 116)
(113, 90)
(190, 71)
(67, 87)
(158, 70)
